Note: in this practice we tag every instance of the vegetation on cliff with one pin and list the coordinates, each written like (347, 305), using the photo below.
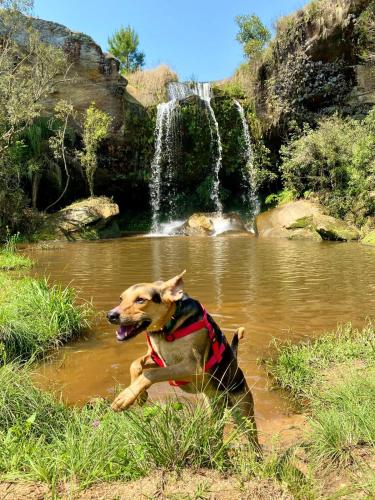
(302, 86)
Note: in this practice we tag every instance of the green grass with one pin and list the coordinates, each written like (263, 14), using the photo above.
(297, 367)
(36, 316)
(41, 439)
(10, 258)
(335, 377)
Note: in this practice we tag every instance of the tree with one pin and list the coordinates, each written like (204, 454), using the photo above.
(95, 128)
(124, 45)
(253, 34)
(29, 72)
(64, 111)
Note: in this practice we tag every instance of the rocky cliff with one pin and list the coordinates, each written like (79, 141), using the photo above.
(321, 58)
(93, 75)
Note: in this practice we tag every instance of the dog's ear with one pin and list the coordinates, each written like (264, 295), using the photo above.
(173, 289)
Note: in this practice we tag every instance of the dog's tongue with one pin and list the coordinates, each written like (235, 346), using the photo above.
(123, 332)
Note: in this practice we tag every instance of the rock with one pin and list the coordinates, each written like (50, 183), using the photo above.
(278, 222)
(83, 219)
(303, 219)
(333, 229)
(369, 239)
(93, 76)
(209, 224)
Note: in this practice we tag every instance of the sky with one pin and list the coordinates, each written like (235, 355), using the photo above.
(196, 38)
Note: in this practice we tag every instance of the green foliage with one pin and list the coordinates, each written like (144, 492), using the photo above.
(336, 161)
(344, 416)
(95, 129)
(23, 89)
(284, 196)
(35, 316)
(9, 256)
(253, 34)
(124, 45)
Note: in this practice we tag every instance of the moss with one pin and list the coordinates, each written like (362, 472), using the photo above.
(303, 222)
(369, 239)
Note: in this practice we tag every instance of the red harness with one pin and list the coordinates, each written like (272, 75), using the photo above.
(217, 350)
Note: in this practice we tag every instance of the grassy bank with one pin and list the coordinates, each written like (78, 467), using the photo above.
(36, 316)
(43, 440)
(334, 377)
(10, 258)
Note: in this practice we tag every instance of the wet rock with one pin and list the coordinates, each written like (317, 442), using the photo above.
(209, 224)
(303, 219)
(85, 219)
(369, 239)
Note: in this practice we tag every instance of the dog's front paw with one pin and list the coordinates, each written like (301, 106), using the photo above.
(125, 399)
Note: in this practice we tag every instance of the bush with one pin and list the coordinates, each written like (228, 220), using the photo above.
(336, 161)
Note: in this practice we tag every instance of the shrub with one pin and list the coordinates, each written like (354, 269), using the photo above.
(337, 161)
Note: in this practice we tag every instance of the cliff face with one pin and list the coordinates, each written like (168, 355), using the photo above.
(93, 76)
(316, 63)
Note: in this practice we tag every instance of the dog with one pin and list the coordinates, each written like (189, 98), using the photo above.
(185, 347)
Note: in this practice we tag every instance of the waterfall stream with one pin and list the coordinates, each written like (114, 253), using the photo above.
(248, 173)
(166, 132)
(167, 141)
(203, 90)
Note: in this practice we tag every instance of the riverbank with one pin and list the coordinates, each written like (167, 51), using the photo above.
(50, 448)
(91, 451)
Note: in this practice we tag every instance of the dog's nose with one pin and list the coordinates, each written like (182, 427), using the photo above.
(113, 315)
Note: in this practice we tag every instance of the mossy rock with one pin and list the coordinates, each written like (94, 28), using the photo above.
(333, 229)
(302, 223)
(369, 239)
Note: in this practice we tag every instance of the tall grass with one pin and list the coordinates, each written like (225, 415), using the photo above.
(335, 375)
(41, 439)
(297, 367)
(36, 316)
(10, 258)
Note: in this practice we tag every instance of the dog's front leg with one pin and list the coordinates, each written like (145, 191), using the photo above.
(182, 371)
(136, 369)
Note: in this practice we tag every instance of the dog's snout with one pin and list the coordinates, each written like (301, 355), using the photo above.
(113, 315)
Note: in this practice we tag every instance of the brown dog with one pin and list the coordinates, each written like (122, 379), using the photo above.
(185, 345)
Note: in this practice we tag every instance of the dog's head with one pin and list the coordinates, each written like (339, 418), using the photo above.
(146, 306)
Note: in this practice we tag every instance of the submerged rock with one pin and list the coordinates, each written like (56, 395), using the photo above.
(303, 219)
(369, 239)
(209, 224)
(84, 219)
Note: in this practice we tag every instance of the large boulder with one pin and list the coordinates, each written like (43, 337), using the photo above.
(84, 219)
(369, 239)
(303, 219)
(210, 224)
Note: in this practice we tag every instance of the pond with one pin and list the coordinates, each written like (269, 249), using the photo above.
(274, 288)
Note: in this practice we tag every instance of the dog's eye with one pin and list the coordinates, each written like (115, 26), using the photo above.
(140, 300)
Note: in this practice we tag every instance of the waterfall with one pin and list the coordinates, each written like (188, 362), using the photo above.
(166, 135)
(248, 173)
(164, 162)
(203, 90)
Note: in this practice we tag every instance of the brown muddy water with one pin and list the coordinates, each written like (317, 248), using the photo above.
(274, 288)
